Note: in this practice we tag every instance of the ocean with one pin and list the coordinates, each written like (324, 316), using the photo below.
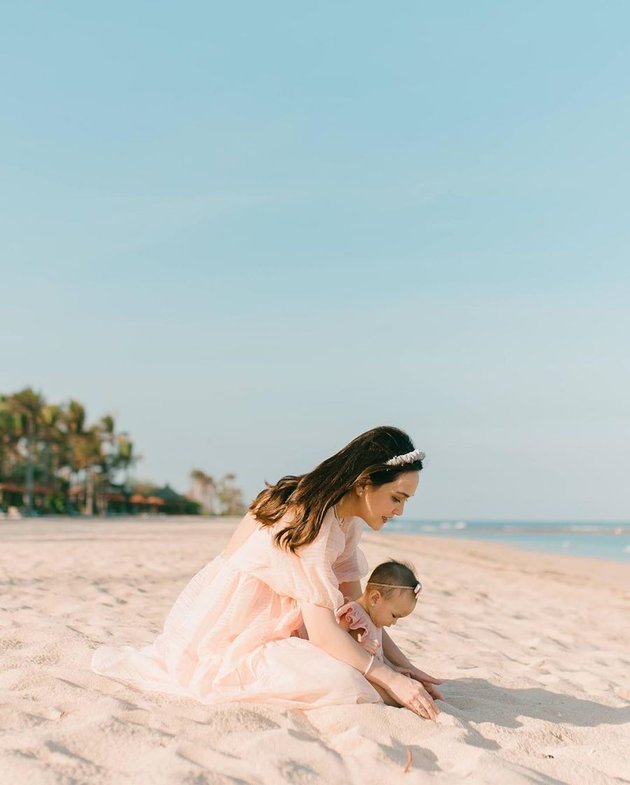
(597, 540)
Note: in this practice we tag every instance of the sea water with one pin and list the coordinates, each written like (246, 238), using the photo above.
(598, 540)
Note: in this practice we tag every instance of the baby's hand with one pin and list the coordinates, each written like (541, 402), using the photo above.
(428, 682)
(371, 646)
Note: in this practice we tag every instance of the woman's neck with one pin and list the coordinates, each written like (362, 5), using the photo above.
(346, 508)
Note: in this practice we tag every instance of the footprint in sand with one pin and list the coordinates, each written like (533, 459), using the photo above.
(10, 644)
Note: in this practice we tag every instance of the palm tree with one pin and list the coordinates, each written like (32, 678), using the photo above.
(203, 490)
(87, 456)
(73, 423)
(125, 457)
(53, 454)
(26, 408)
(117, 455)
(230, 496)
(8, 438)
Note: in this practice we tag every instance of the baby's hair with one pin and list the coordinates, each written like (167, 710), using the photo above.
(393, 574)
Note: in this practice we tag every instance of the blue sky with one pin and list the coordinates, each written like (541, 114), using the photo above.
(252, 231)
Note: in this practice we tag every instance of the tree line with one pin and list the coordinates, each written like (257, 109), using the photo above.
(53, 460)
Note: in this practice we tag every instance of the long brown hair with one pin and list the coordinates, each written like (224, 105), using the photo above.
(308, 496)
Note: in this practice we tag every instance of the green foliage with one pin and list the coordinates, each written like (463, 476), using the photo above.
(52, 451)
(192, 507)
(54, 461)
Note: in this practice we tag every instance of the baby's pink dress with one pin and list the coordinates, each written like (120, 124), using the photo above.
(354, 617)
(236, 633)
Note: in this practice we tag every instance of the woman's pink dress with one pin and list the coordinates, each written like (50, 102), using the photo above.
(235, 633)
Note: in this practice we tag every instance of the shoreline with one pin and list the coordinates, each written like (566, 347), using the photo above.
(609, 572)
(534, 649)
(610, 543)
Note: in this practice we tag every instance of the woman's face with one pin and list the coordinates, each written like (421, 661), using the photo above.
(378, 503)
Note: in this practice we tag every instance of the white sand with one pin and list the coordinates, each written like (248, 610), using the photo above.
(536, 651)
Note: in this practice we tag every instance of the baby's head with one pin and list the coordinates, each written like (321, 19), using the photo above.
(392, 592)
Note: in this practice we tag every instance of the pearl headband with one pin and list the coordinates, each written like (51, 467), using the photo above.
(408, 457)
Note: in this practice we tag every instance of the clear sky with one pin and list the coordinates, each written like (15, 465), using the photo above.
(253, 230)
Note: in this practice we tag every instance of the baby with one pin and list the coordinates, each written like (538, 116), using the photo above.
(391, 592)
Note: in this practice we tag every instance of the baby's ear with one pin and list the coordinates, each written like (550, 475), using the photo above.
(374, 596)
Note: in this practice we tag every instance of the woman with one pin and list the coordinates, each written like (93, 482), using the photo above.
(258, 622)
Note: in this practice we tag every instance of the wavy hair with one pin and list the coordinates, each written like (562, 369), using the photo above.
(308, 496)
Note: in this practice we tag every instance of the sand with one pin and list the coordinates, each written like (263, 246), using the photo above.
(535, 651)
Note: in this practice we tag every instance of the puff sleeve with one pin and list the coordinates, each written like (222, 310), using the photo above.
(308, 575)
(351, 564)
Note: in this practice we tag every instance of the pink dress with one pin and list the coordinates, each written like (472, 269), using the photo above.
(352, 616)
(235, 633)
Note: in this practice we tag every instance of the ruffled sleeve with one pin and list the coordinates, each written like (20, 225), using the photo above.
(305, 576)
(352, 617)
(351, 564)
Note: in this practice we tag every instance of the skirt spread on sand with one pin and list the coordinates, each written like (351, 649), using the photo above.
(235, 633)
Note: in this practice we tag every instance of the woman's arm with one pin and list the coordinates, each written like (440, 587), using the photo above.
(323, 631)
(351, 590)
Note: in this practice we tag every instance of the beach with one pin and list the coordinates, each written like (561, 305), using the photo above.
(534, 650)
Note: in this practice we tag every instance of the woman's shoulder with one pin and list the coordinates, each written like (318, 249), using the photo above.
(329, 530)
(328, 543)
(354, 527)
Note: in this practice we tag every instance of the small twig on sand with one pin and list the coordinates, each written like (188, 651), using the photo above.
(409, 759)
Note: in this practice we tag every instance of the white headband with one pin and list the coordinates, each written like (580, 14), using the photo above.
(416, 589)
(408, 457)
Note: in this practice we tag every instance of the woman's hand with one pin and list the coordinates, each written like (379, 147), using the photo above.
(428, 682)
(323, 630)
(410, 693)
